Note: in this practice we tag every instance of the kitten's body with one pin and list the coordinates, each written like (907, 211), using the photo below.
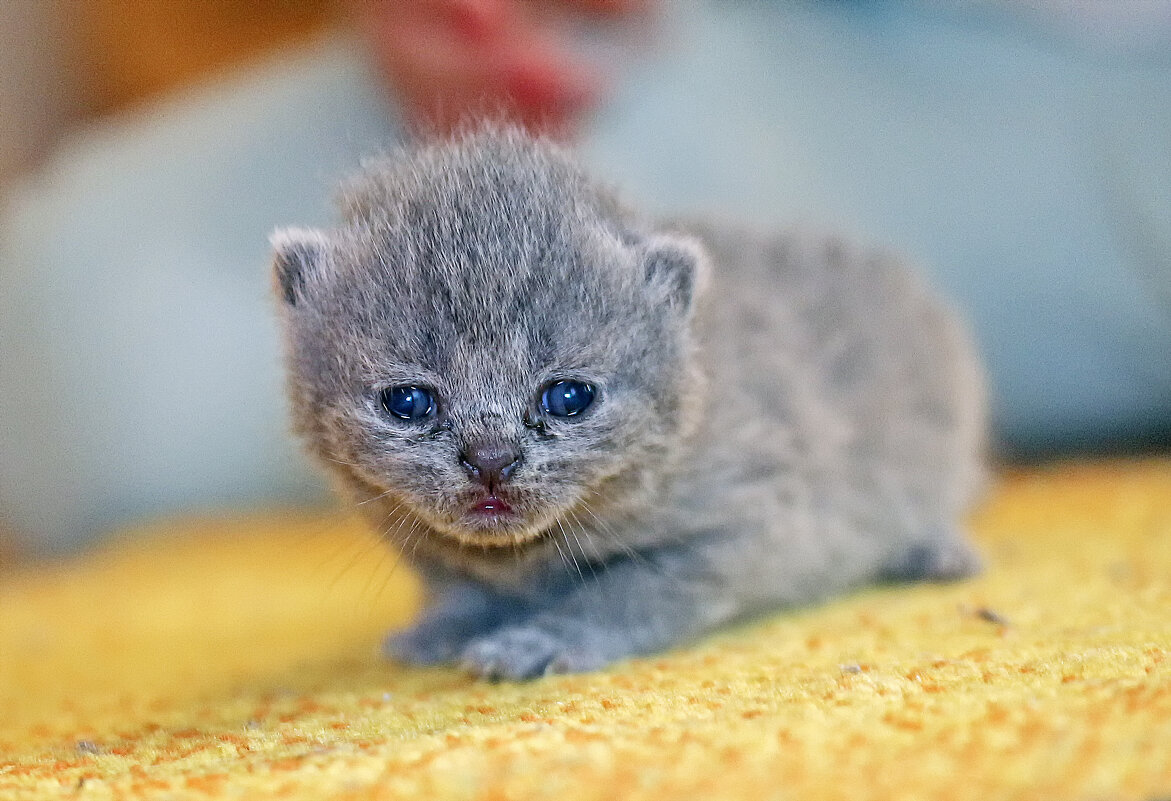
(810, 422)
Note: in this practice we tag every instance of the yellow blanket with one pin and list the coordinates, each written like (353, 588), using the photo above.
(238, 659)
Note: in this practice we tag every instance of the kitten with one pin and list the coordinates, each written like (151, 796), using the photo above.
(589, 453)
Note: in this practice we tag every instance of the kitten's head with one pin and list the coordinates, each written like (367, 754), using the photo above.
(489, 339)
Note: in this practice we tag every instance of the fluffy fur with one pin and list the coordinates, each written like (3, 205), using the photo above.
(809, 422)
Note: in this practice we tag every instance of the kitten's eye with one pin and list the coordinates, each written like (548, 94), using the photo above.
(567, 398)
(407, 403)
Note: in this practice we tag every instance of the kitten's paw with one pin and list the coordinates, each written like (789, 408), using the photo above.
(946, 559)
(440, 636)
(427, 643)
(527, 651)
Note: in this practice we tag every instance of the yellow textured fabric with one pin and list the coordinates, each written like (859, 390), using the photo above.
(238, 659)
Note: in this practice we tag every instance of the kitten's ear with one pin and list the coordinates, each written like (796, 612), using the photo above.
(675, 265)
(297, 255)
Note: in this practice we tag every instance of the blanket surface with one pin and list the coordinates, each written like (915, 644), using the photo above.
(239, 658)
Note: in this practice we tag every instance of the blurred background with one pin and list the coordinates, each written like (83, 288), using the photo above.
(68, 62)
(1018, 150)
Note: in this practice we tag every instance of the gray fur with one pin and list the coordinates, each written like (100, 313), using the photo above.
(810, 422)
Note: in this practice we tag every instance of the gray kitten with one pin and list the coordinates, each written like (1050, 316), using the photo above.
(586, 451)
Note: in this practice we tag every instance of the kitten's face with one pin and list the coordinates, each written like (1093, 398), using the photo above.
(488, 350)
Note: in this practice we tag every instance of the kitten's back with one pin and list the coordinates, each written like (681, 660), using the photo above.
(838, 365)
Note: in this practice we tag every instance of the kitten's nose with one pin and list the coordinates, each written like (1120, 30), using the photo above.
(490, 462)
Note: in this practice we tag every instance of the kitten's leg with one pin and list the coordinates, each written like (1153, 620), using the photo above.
(942, 556)
(459, 612)
(631, 607)
(641, 605)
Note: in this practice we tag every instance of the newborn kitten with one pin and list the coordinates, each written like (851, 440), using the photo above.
(586, 451)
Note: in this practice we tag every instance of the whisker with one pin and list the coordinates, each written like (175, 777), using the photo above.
(564, 558)
(606, 529)
(409, 539)
(377, 497)
(370, 580)
(401, 554)
(569, 549)
(417, 542)
(360, 554)
(378, 534)
(580, 547)
(625, 547)
(381, 535)
(335, 553)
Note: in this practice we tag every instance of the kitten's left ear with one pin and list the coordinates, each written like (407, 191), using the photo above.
(677, 266)
(297, 258)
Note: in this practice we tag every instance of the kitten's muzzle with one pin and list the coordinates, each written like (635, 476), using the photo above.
(490, 462)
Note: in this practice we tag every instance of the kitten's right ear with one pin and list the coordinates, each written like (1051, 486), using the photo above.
(297, 255)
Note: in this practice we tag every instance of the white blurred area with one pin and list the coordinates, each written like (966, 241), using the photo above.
(40, 93)
(80, 81)
(1111, 27)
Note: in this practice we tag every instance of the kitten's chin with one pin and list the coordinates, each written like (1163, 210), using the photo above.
(491, 531)
(496, 525)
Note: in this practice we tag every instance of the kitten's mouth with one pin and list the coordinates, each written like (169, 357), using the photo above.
(492, 506)
(493, 516)
(494, 519)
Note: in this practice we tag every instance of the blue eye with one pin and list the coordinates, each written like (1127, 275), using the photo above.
(567, 398)
(408, 403)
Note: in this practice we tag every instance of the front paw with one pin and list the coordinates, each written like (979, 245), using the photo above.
(948, 558)
(527, 651)
(430, 642)
(458, 617)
